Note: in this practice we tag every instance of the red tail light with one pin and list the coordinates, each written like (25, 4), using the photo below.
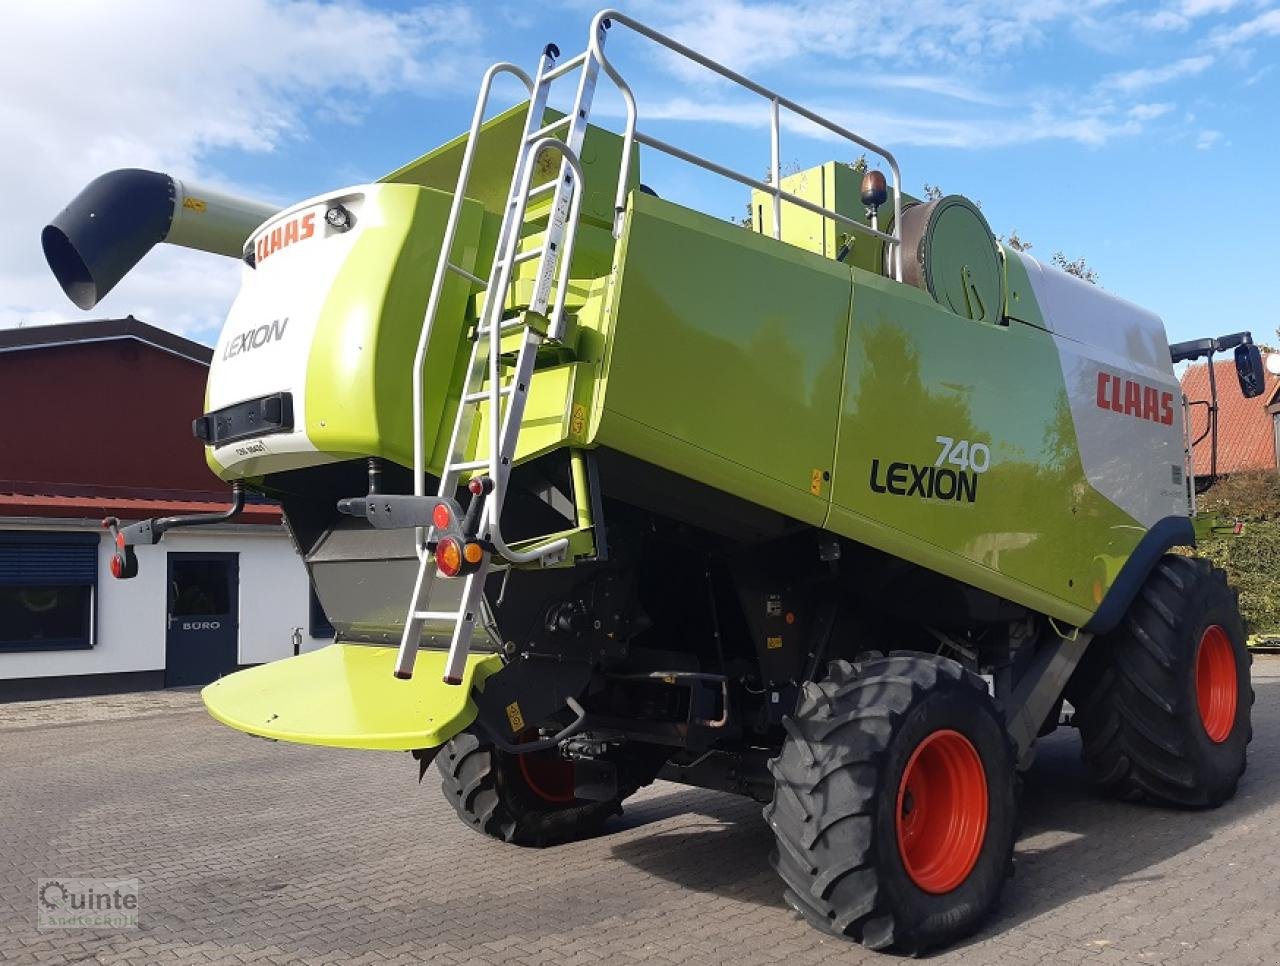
(449, 557)
(440, 517)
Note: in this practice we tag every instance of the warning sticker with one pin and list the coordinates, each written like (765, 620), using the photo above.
(815, 482)
(515, 718)
(578, 419)
(195, 204)
(773, 643)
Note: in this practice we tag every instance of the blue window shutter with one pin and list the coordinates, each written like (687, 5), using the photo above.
(39, 559)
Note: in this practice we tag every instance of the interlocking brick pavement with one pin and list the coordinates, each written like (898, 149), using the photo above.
(253, 852)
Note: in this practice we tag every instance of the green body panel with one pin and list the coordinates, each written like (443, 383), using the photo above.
(1019, 300)
(494, 158)
(760, 369)
(345, 696)
(368, 331)
(725, 356)
(836, 187)
(1036, 532)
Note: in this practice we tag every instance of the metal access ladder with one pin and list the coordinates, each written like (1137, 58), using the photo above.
(542, 320)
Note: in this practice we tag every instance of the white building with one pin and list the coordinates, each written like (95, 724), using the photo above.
(106, 431)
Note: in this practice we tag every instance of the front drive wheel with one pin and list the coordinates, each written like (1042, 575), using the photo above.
(894, 803)
(527, 799)
(1163, 702)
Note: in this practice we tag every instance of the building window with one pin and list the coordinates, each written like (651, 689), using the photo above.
(47, 587)
(320, 626)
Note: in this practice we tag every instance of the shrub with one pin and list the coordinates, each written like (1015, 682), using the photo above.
(1252, 559)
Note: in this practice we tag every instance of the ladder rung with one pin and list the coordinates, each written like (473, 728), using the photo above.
(508, 325)
(467, 465)
(435, 615)
(473, 279)
(527, 256)
(564, 67)
(484, 394)
(544, 131)
(543, 188)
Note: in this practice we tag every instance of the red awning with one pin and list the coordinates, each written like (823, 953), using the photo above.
(82, 506)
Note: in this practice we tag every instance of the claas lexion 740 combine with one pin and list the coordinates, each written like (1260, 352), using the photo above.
(595, 488)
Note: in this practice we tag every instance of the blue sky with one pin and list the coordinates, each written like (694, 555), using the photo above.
(1142, 137)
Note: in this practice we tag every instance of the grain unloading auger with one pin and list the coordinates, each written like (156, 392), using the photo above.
(879, 494)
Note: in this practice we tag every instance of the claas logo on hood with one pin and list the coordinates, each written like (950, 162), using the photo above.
(285, 234)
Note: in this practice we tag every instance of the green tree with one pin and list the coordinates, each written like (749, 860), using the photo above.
(1075, 266)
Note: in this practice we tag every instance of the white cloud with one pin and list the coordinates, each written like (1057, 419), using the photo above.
(896, 130)
(1200, 8)
(1264, 25)
(1149, 112)
(91, 87)
(756, 36)
(1208, 139)
(931, 84)
(1258, 75)
(1165, 20)
(1142, 78)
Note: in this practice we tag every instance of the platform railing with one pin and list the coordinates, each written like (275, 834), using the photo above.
(775, 102)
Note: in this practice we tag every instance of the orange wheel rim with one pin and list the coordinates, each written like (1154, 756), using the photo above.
(942, 811)
(1216, 683)
(548, 776)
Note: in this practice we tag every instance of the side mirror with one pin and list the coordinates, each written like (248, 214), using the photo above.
(1249, 369)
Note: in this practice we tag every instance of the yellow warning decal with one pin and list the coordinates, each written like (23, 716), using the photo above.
(773, 643)
(578, 419)
(515, 718)
(815, 483)
(195, 204)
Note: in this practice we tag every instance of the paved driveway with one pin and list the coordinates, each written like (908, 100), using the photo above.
(248, 851)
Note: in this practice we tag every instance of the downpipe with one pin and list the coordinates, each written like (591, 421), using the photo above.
(146, 533)
(120, 216)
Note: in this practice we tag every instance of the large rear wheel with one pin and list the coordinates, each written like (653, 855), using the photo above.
(1163, 702)
(894, 803)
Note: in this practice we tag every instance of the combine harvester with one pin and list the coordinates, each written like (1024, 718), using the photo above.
(596, 488)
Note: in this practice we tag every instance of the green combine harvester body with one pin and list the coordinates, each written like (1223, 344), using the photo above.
(651, 493)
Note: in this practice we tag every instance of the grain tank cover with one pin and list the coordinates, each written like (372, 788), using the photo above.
(948, 250)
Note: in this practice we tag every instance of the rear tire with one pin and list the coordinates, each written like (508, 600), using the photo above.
(526, 799)
(1163, 702)
(894, 803)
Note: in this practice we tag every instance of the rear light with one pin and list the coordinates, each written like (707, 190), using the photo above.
(449, 557)
(473, 553)
(440, 517)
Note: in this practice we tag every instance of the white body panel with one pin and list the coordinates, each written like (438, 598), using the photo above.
(1126, 404)
(265, 344)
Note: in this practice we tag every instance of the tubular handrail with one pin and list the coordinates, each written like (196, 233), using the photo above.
(442, 266)
(776, 101)
(509, 424)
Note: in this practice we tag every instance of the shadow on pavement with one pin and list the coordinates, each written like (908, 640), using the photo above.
(1073, 843)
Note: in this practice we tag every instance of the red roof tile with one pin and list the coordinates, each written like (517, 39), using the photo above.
(96, 506)
(1246, 431)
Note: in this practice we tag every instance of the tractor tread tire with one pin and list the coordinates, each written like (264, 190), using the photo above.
(831, 781)
(1135, 700)
(483, 785)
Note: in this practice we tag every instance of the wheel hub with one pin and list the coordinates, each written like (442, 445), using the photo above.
(1216, 683)
(941, 814)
